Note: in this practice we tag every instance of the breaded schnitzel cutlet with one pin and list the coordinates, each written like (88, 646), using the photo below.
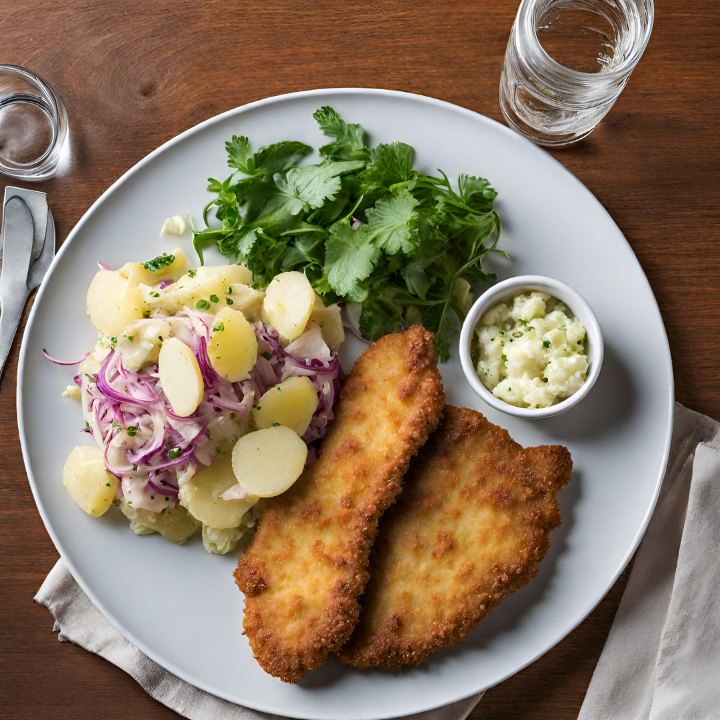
(469, 528)
(307, 562)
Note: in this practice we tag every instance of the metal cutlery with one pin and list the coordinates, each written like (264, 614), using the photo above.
(27, 250)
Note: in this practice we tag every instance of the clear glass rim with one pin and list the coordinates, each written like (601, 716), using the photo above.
(525, 18)
(44, 166)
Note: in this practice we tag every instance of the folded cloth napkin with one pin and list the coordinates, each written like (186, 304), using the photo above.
(661, 660)
(79, 621)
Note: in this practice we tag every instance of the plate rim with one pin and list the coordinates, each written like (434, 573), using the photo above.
(402, 95)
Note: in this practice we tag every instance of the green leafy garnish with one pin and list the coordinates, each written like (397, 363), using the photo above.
(159, 262)
(362, 225)
(219, 327)
(202, 304)
(174, 453)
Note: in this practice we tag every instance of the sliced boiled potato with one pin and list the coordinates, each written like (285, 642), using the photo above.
(140, 344)
(247, 300)
(180, 377)
(208, 286)
(90, 485)
(202, 495)
(291, 404)
(289, 300)
(267, 462)
(114, 301)
(233, 345)
(176, 524)
(149, 277)
(329, 321)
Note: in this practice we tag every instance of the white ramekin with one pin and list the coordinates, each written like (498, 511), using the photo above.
(506, 290)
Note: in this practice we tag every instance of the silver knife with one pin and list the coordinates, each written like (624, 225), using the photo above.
(18, 235)
(38, 205)
(39, 267)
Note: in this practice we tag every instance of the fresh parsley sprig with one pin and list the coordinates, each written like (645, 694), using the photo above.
(363, 225)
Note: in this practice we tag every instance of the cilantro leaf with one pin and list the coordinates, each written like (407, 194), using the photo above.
(440, 320)
(389, 165)
(240, 155)
(389, 223)
(379, 317)
(348, 140)
(308, 187)
(470, 187)
(350, 257)
(280, 156)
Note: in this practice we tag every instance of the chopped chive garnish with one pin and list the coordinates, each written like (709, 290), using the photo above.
(132, 430)
(174, 453)
(503, 358)
(219, 327)
(546, 343)
(229, 290)
(276, 424)
(228, 301)
(517, 334)
(191, 273)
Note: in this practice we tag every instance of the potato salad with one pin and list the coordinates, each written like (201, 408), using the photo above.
(530, 352)
(202, 395)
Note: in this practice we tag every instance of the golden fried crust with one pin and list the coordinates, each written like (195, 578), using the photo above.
(307, 563)
(469, 528)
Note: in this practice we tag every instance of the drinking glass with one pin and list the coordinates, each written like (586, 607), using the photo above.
(33, 125)
(567, 62)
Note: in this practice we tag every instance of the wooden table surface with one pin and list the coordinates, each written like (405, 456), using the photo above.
(135, 73)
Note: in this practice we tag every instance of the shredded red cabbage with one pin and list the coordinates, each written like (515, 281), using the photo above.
(55, 360)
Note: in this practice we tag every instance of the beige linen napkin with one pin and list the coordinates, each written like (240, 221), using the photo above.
(79, 621)
(661, 660)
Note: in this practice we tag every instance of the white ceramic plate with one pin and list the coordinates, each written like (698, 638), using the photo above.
(179, 605)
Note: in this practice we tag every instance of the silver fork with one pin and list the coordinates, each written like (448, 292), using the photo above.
(27, 250)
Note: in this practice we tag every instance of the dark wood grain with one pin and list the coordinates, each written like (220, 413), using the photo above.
(134, 73)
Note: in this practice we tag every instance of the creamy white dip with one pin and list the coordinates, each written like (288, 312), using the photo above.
(530, 351)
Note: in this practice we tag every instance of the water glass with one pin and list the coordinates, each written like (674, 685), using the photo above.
(567, 62)
(33, 125)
